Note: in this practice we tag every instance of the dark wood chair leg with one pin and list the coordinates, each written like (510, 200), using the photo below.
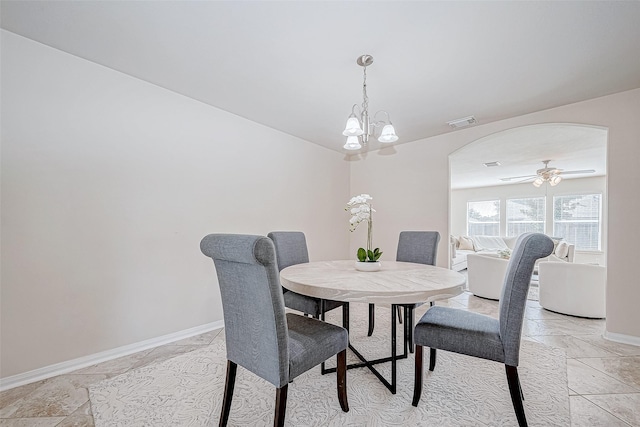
(345, 316)
(516, 397)
(417, 386)
(281, 406)
(341, 379)
(372, 319)
(432, 359)
(410, 326)
(228, 392)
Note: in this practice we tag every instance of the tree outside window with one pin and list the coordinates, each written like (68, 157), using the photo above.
(577, 220)
(526, 215)
(483, 218)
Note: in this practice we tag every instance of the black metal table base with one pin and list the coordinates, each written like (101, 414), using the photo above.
(391, 385)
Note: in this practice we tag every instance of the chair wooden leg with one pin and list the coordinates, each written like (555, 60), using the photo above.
(341, 379)
(432, 359)
(516, 394)
(372, 318)
(281, 406)
(410, 327)
(417, 386)
(345, 316)
(228, 392)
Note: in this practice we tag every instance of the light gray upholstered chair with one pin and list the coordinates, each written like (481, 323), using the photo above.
(420, 247)
(291, 249)
(482, 336)
(260, 336)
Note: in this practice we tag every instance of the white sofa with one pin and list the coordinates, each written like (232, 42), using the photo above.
(485, 275)
(574, 289)
(462, 246)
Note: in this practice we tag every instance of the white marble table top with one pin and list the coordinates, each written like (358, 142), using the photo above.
(395, 283)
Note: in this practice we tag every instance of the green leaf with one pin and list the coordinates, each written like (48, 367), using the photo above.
(370, 255)
(362, 255)
(376, 250)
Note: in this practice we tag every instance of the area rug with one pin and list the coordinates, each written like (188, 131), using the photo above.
(462, 391)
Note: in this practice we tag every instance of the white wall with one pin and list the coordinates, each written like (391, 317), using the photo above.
(109, 184)
(595, 185)
(410, 186)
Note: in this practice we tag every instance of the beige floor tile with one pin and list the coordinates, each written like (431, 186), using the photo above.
(540, 313)
(573, 347)
(625, 369)
(586, 414)
(612, 346)
(58, 396)
(78, 420)
(31, 422)
(584, 379)
(165, 352)
(7, 397)
(202, 339)
(624, 406)
(115, 366)
(560, 327)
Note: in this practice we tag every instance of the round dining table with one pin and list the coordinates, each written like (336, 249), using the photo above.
(396, 283)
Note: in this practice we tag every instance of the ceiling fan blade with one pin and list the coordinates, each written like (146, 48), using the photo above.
(580, 171)
(511, 178)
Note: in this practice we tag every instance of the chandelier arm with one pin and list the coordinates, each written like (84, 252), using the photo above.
(377, 123)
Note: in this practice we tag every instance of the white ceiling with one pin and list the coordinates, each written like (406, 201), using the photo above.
(291, 65)
(520, 152)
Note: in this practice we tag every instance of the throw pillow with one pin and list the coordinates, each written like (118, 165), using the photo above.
(455, 242)
(562, 250)
(466, 243)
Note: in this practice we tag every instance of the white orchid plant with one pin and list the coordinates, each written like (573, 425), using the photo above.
(361, 210)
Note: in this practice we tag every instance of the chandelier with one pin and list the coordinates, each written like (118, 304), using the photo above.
(359, 127)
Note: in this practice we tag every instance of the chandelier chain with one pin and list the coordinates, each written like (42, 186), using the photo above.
(365, 98)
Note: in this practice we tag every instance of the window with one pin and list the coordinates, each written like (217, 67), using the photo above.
(483, 218)
(525, 215)
(577, 220)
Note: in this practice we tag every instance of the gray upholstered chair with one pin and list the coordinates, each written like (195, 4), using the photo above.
(420, 247)
(260, 336)
(482, 336)
(291, 249)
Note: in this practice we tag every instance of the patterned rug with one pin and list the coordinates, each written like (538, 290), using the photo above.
(462, 391)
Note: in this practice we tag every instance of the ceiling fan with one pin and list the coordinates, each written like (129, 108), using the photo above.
(551, 175)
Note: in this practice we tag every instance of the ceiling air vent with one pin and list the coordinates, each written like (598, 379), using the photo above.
(464, 122)
(491, 164)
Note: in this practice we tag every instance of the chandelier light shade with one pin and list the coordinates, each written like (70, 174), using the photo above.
(359, 128)
(352, 143)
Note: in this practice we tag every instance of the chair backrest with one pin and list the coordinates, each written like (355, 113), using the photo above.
(529, 247)
(420, 247)
(254, 315)
(291, 248)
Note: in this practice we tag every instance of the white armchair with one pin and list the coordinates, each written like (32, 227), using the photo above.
(574, 289)
(486, 275)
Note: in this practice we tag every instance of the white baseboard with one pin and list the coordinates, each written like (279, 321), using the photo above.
(622, 338)
(93, 359)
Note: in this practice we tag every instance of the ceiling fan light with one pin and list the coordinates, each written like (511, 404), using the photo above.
(388, 134)
(353, 127)
(352, 143)
(555, 180)
(537, 182)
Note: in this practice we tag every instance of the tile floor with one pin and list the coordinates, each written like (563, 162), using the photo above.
(604, 377)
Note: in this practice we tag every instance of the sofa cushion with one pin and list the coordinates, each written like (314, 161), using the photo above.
(465, 243)
(562, 250)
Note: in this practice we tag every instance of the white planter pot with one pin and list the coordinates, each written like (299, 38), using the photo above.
(368, 266)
